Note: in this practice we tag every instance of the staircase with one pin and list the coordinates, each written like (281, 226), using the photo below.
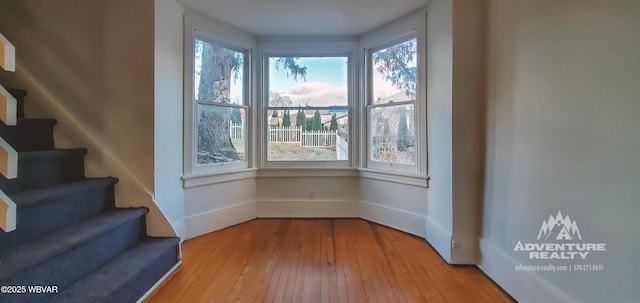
(68, 233)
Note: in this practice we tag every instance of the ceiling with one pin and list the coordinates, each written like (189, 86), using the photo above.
(305, 17)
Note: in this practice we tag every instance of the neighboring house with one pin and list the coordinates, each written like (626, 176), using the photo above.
(529, 107)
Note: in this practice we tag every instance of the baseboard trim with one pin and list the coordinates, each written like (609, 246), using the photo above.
(162, 280)
(307, 209)
(209, 221)
(523, 286)
(439, 238)
(406, 221)
(181, 229)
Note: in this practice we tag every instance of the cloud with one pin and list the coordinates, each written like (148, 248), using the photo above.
(318, 94)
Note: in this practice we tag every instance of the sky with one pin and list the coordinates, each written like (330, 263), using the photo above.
(325, 83)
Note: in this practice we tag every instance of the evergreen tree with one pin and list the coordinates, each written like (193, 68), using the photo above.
(393, 63)
(301, 120)
(403, 132)
(274, 114)
(316, 124)
(286, 119)
(309, 123)
(236, 117)
(334, 123)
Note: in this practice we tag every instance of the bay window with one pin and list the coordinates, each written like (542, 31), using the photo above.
(357, 104)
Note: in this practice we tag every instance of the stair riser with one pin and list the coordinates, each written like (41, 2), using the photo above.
(19, 94)
(41, 173)
(145, 279)
(45, 218)
(70, 266)
(28, 136)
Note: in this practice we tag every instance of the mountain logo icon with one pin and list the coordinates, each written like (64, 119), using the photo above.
(559, 228)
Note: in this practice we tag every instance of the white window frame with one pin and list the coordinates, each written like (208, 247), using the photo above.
(301, 53)
(411, 29)
(201, 31)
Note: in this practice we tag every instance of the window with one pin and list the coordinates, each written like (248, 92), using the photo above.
(307, 111)
(220, 112)
(391, 106)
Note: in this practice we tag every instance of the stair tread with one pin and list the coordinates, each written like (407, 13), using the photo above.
(50, 154)
(20, 120)
(23, 256)
(34, 197)
(102, 281)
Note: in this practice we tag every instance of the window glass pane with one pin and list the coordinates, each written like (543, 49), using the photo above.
(394, 73)
(308, 135)
(308, 81)
(218, 73)
(392, 134)
(221, 134)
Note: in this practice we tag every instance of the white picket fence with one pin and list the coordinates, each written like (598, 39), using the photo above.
(292, 135)
(304, 138)
(319, 138)
(236, 131)
(285, 135)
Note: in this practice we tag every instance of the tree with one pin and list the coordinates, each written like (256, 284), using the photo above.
(274, 114)
(334, 123)
(236, 117)
(309, 123)
(301, 120)
(214, 138)
(393, 64)
(402, 142)
(316, 123)
(286, 119)
(218, 66)
(277, 99)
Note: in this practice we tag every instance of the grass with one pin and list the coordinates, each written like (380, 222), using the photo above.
(295, 152)
(239, 145)
(290, 152)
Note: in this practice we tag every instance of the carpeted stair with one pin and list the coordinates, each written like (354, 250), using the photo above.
(69, 233)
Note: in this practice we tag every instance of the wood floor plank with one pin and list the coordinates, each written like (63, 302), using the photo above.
(320, 260)
(328, 275)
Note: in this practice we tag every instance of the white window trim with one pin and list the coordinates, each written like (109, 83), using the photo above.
(406, 29)
(198, 27)
(357, 47)
(279, 49)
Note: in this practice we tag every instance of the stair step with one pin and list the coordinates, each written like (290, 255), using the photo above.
(137, 270)
(19, 94)
(66, 256)
(29, 134)
(39, 169)
(43, 211)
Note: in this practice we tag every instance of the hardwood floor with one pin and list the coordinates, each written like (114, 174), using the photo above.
(319, 260)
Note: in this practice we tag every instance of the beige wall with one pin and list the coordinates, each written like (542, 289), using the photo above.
(563, 134)
(90, 65)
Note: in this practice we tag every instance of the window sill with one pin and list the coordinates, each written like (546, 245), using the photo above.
(250, 173)
(306, 172)
(221, 177)
(407, 179)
